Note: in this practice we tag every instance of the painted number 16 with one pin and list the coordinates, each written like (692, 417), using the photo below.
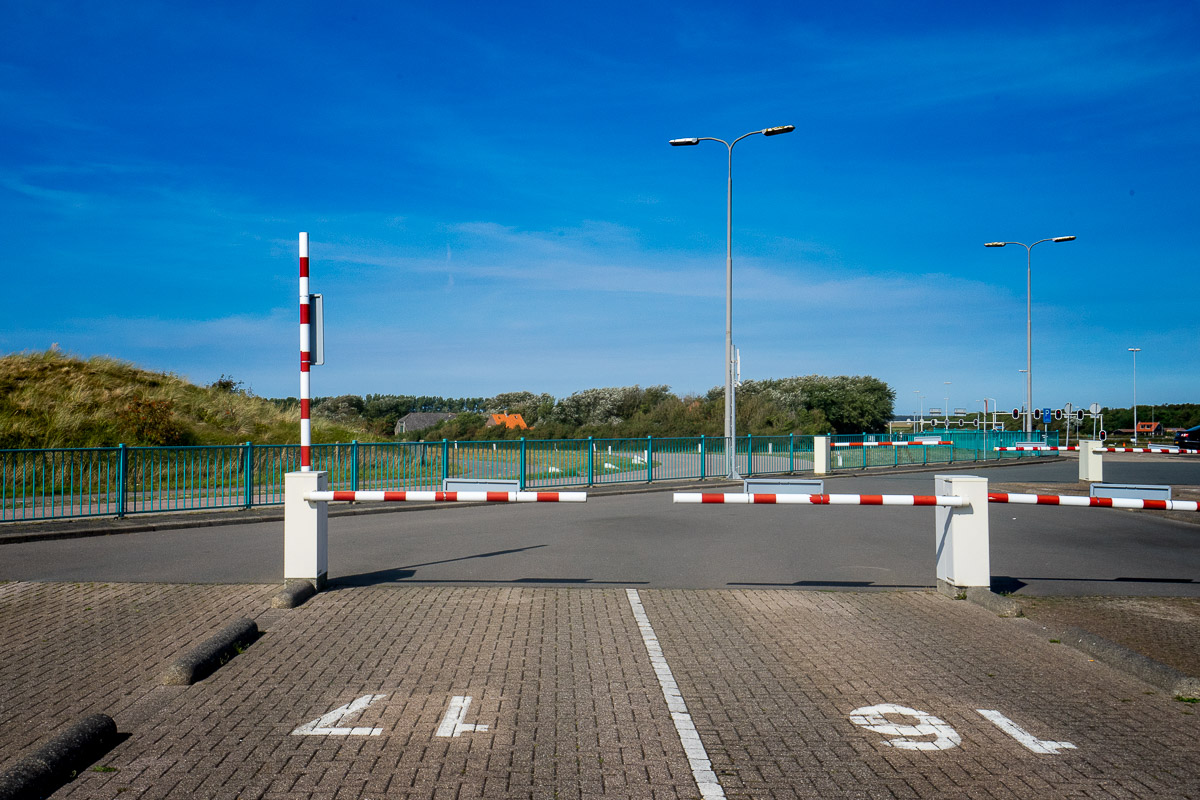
(935, 734)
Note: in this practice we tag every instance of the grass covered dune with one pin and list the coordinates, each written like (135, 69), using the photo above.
(53, 399)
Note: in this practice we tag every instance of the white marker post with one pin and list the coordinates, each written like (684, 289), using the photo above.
(820, 455)
(963, 549)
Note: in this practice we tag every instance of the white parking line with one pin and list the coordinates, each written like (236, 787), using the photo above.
(706, 779)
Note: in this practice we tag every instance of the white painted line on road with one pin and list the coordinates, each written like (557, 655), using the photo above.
(452, 723)
(1021, 735)
(324, 726)
(697, 756)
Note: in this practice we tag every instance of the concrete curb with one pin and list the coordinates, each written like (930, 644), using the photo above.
(1139, 666)
(998, 604)
(46, 769)
(293, 594)
(201, 661)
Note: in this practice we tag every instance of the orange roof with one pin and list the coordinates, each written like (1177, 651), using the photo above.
(508, 421)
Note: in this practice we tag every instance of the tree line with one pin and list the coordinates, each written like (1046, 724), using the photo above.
(812, 404)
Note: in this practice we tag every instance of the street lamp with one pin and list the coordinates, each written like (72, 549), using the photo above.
(947, 404)
(1135, 351)
(730, 401)
(1029, 319)
(985, 400)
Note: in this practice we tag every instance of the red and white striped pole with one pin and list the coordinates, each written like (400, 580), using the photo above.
(405, 496)
(305, 356)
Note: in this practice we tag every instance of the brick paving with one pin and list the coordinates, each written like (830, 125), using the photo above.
(72, 649)
(772, 677)
(573, 709)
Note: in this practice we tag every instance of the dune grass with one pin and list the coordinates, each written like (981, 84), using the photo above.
(53, 399)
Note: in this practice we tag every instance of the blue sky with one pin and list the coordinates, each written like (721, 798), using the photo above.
(493, 206)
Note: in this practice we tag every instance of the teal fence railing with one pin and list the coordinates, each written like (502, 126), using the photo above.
(118, 481)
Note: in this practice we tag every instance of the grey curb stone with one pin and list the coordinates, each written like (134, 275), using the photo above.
(997, 604)
(1152, 672)
(57, 761)
(293, 594)
(201, 661)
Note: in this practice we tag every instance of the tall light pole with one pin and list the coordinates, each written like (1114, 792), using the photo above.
(1029, 319)
(947, 404)
(985, 400)
(730, 401)
(1135, 351)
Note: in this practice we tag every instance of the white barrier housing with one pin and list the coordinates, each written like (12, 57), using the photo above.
(305, 530)
(961, 532)
(1091, 462)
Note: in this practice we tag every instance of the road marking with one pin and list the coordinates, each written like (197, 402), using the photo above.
(872, 718)
(452, 723)
(697, 756)
(324, 726)
(1021, 735)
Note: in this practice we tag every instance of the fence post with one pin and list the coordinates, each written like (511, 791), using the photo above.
(248, 474)
(591, 462)
(749, 455)
(354, 464)
(122, 465)
(649, 459)
(521, 483)
(445, 460)
(791, 452)
(703, 457)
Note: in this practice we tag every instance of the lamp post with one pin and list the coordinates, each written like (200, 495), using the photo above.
(947, 398)
(1029, 319)
(730, 401)
(985, 400)
(1135, 351)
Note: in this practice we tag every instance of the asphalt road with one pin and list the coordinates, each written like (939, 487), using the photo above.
(643, 540)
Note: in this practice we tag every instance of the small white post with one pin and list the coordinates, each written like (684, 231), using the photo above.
(305, 530)
(961, 534)
(820, 455)
(1091, 461)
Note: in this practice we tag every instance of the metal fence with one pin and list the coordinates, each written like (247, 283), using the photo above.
(117, 481)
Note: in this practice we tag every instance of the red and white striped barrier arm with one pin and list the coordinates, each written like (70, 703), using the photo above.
(305, 356)
(1171, 450)
(886, 444)
(823, 499)
(1093, 502)
(1011, 449)
(445, 497)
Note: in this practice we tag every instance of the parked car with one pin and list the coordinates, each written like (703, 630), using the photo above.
(1189, 439)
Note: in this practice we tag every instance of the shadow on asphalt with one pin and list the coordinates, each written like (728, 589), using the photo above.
(834, 585)
(1006, 584)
